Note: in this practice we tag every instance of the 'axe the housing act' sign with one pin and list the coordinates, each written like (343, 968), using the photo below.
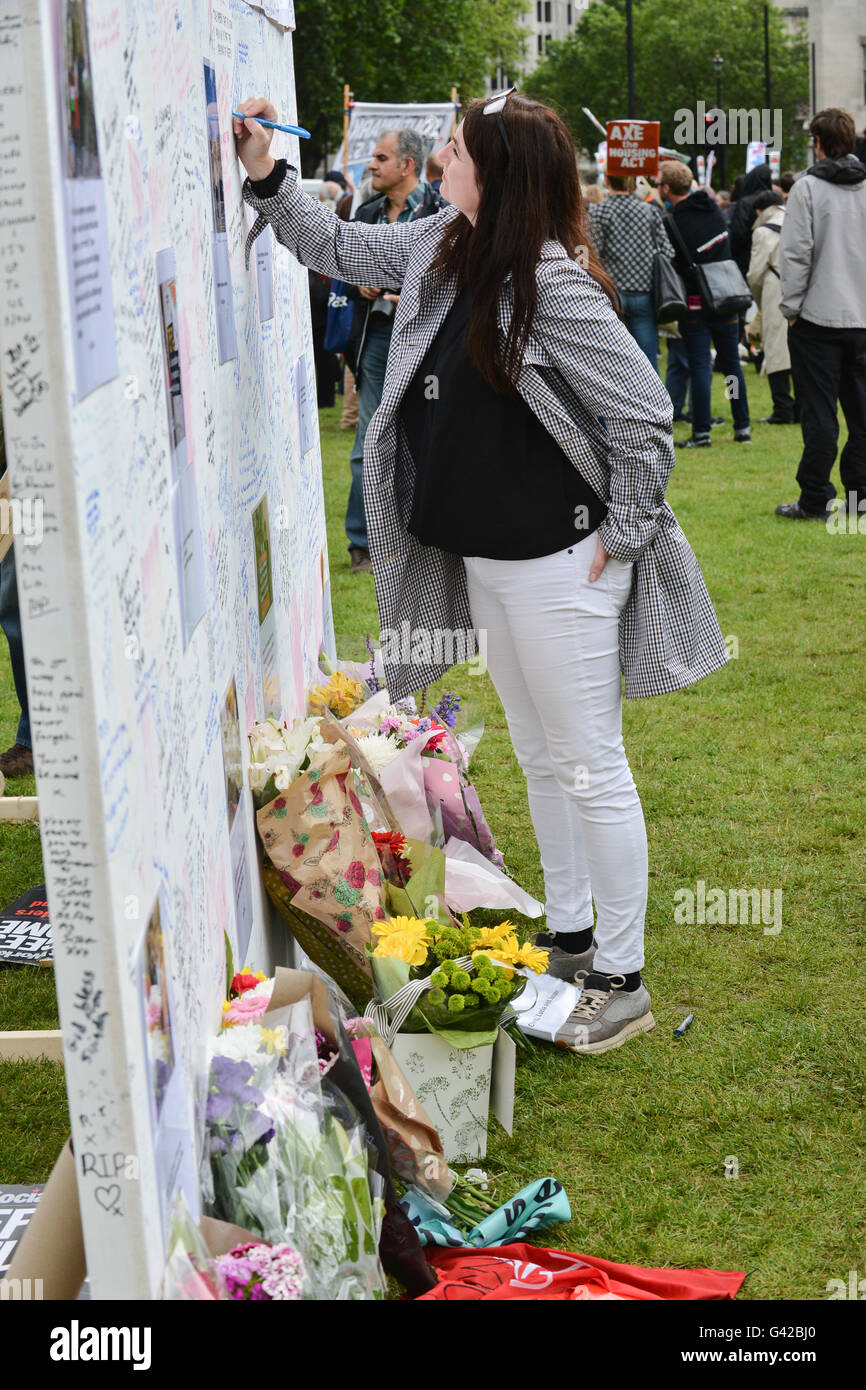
(633, 148)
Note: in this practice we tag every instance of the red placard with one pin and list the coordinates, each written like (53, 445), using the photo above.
(633, 148)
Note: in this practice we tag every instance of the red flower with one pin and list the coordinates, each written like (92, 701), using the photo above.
(356, 874)
(279, 803)
(374, 877)
(241, 983)
(354, 802)
(390, 839)
(297, 850)
(379, 914)
(344, 924)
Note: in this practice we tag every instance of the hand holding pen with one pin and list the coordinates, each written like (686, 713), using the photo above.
(254, 122)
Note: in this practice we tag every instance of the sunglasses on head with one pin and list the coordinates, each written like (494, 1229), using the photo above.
(494, 107)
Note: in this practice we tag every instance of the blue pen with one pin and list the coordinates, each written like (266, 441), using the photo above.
(272, 125)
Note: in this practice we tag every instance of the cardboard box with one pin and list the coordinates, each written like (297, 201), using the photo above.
(454, 1086)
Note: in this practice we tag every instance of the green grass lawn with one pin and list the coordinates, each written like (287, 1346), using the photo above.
(752, 779)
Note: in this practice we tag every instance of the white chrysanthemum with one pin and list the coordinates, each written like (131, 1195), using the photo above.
(379, 750)
(243, 1043)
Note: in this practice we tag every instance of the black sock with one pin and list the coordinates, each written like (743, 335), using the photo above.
(632, 980)
(576, 942)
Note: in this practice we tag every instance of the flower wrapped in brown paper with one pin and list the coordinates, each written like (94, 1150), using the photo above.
(318, 841)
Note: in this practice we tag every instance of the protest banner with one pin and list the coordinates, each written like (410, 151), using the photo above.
(633, 148)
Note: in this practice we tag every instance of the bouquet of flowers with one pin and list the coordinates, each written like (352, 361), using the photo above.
(287, 1157)
(457, 981)
(262, 1272)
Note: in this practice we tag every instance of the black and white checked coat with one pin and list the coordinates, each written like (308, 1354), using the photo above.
(591, 387)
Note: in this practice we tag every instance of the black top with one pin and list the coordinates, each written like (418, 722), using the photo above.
(489, 479)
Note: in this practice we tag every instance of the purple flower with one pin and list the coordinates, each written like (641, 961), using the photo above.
(447, 709)
(219, 1107)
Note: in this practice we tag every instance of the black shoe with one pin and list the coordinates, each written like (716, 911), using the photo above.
(360, 559)
(743, 436)
(794, 512)
(17, 761)
(682, 419)
(716, 420)
(777, 420)
(697, 441)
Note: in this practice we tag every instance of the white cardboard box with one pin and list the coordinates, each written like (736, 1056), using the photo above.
(454, 1083)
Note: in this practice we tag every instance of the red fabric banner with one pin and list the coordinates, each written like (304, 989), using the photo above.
(528, 1272)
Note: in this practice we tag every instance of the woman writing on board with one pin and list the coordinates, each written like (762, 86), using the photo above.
(514, 483)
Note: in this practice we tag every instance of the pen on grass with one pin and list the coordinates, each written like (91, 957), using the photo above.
(273, 125)
(686, 1023)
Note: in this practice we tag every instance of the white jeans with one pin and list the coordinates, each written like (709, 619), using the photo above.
(553, 656)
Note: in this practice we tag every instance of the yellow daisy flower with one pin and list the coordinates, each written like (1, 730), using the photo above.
(408, 945)
(532, 957)
(489, 935)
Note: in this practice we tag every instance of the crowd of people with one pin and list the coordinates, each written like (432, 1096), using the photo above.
(796, 239)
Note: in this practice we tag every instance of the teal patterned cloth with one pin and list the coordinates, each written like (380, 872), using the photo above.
(534, 1208)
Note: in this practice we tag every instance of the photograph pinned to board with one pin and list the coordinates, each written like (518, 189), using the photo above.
(266, 607)
(173, 1147)
(156, 992)
(265, 276)
(306, 404)
(227, 344)
(87, 259)
(232, 757)
(241, 883)
(25, 930)
(235, 795)
(192, 588)
(167, 288)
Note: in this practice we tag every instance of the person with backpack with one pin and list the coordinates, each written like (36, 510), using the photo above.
(699, 236)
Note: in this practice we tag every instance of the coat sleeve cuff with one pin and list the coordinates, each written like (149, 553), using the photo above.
(267, 187)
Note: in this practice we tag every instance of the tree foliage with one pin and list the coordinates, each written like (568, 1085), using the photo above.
(674, 45)
(396, 50)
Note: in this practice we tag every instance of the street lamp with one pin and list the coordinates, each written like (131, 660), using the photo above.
(718, 63)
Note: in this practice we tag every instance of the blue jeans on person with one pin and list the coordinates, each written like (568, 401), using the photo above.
(677, 375)
(698, 332)
(640, 320)
(10, 621)
(374, 359)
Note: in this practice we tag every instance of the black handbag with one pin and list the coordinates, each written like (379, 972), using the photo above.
(669, 292)
(721, 284)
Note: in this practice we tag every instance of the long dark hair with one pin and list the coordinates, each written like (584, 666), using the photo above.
(528, 196)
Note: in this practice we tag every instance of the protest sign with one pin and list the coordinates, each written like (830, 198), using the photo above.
(633, 148)
(25, 936)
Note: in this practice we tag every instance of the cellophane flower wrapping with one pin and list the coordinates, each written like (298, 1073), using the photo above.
(189, 1273)
(299, 1172)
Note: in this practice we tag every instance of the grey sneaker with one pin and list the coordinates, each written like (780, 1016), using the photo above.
(605, 1017)
(563, 965)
